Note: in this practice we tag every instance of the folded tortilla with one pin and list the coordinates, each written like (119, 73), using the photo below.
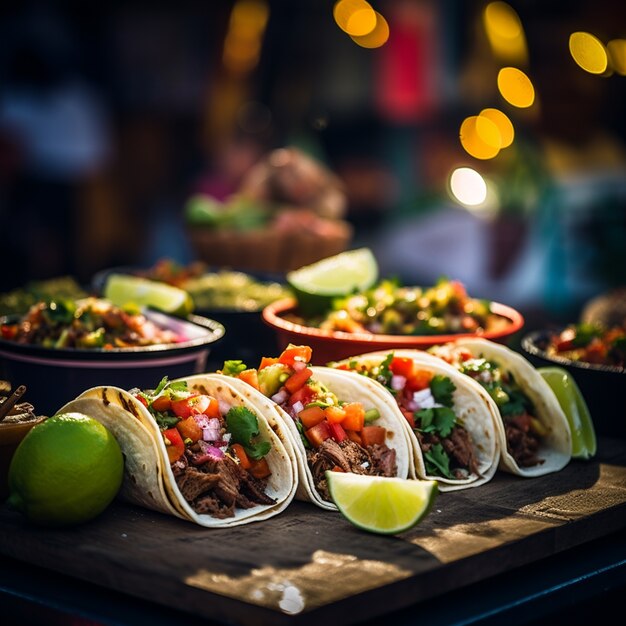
(473, 410)
(348, 387)
(555, 450)
(148, 477)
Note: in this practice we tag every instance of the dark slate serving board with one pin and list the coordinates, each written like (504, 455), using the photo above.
(307, 565)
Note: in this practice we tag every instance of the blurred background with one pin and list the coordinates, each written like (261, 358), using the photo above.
(483, 141)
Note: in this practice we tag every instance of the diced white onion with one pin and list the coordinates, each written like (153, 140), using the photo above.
(299, 365)
(280, 396)
(398, 382)
(365, 464)
(297, 407)
(224, 407)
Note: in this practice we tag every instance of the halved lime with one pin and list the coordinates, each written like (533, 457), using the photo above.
(575, 408)
(126, 290)
(317, 284)
(379, 504)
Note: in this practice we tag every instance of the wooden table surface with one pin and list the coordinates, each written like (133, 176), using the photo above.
(308, 565)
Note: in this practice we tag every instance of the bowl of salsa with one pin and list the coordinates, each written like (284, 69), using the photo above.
(595, 355)
(389, 316)
(60, 348)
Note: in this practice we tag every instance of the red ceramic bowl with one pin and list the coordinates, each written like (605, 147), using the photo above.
(332, 345)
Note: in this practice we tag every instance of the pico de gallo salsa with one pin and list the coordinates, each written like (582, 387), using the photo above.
(589, 343)
(336, 435)
(216, 453)
(90, 324)
(392, 309)
(426, 401)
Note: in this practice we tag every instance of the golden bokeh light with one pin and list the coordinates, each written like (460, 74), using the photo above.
(378, 37)
(361, 22)
(588, 52)
(346, 11)
(617, 55)
(504, 124)
(515, 87)
(468, 187)
(480, 137)
(505, 33)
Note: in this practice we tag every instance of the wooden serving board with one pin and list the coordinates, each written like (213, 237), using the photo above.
(307, 564)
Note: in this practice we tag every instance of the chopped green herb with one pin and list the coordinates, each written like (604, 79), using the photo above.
(244, 427)
(233, 367)
(442, 389)
(437, 461)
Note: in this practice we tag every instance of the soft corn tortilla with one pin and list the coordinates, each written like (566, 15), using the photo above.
(556, 448)
(473, 407)
(350, 388)
(148, 478)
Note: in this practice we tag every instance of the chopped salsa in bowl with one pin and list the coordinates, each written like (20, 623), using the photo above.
(389, 308)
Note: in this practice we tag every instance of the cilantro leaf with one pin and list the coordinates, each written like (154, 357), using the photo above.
(300, 427)
(442, 389)
(233, 367)
(243, 425)
(518, 403)
(437, 461)
(444, 420)
(425, 418)
(164, 420)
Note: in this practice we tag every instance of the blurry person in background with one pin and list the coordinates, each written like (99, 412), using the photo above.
(54, 141)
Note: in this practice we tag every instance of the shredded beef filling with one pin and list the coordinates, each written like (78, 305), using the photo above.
(522, 445)
(218, 486)
(375, 460)
(458, 446)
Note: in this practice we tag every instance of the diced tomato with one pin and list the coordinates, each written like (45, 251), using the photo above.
(305, 395)
(343, 366)
(419, 380)
(173, 444)
(293, 353)
(213, 410)
(401, 366)
(193, 405)
(189, 429)
(354, 436)
(141, 399)
(373, 434)
(241, 455)
(317, 434)
(409, 416)
(297, 379)
(337, 432)
(260, 468)
(251, 377)
(162, 403)
(266, 361)
(311, 416)
(337, 469)
(335, 414)
(596, 351)
(355, 416)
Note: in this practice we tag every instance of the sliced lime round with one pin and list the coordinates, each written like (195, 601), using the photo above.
(575, 408)
(317, 284)
(125, 290)
(379, 504)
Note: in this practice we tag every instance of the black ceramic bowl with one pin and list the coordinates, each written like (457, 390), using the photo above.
(56, 376)
(602, 386)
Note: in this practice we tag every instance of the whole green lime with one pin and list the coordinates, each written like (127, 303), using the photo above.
(66, 470)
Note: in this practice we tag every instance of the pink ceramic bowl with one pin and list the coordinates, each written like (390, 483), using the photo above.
(330, 345)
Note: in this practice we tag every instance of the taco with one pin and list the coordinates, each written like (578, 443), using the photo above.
(197, 449)
(535, 438)
(450, 424)
(337, 420)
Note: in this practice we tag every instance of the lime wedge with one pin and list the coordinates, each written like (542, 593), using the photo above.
(125, 290)
(575, 408)
(317, 284)
(379, 504)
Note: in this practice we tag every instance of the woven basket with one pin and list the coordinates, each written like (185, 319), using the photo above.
(266, 250)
